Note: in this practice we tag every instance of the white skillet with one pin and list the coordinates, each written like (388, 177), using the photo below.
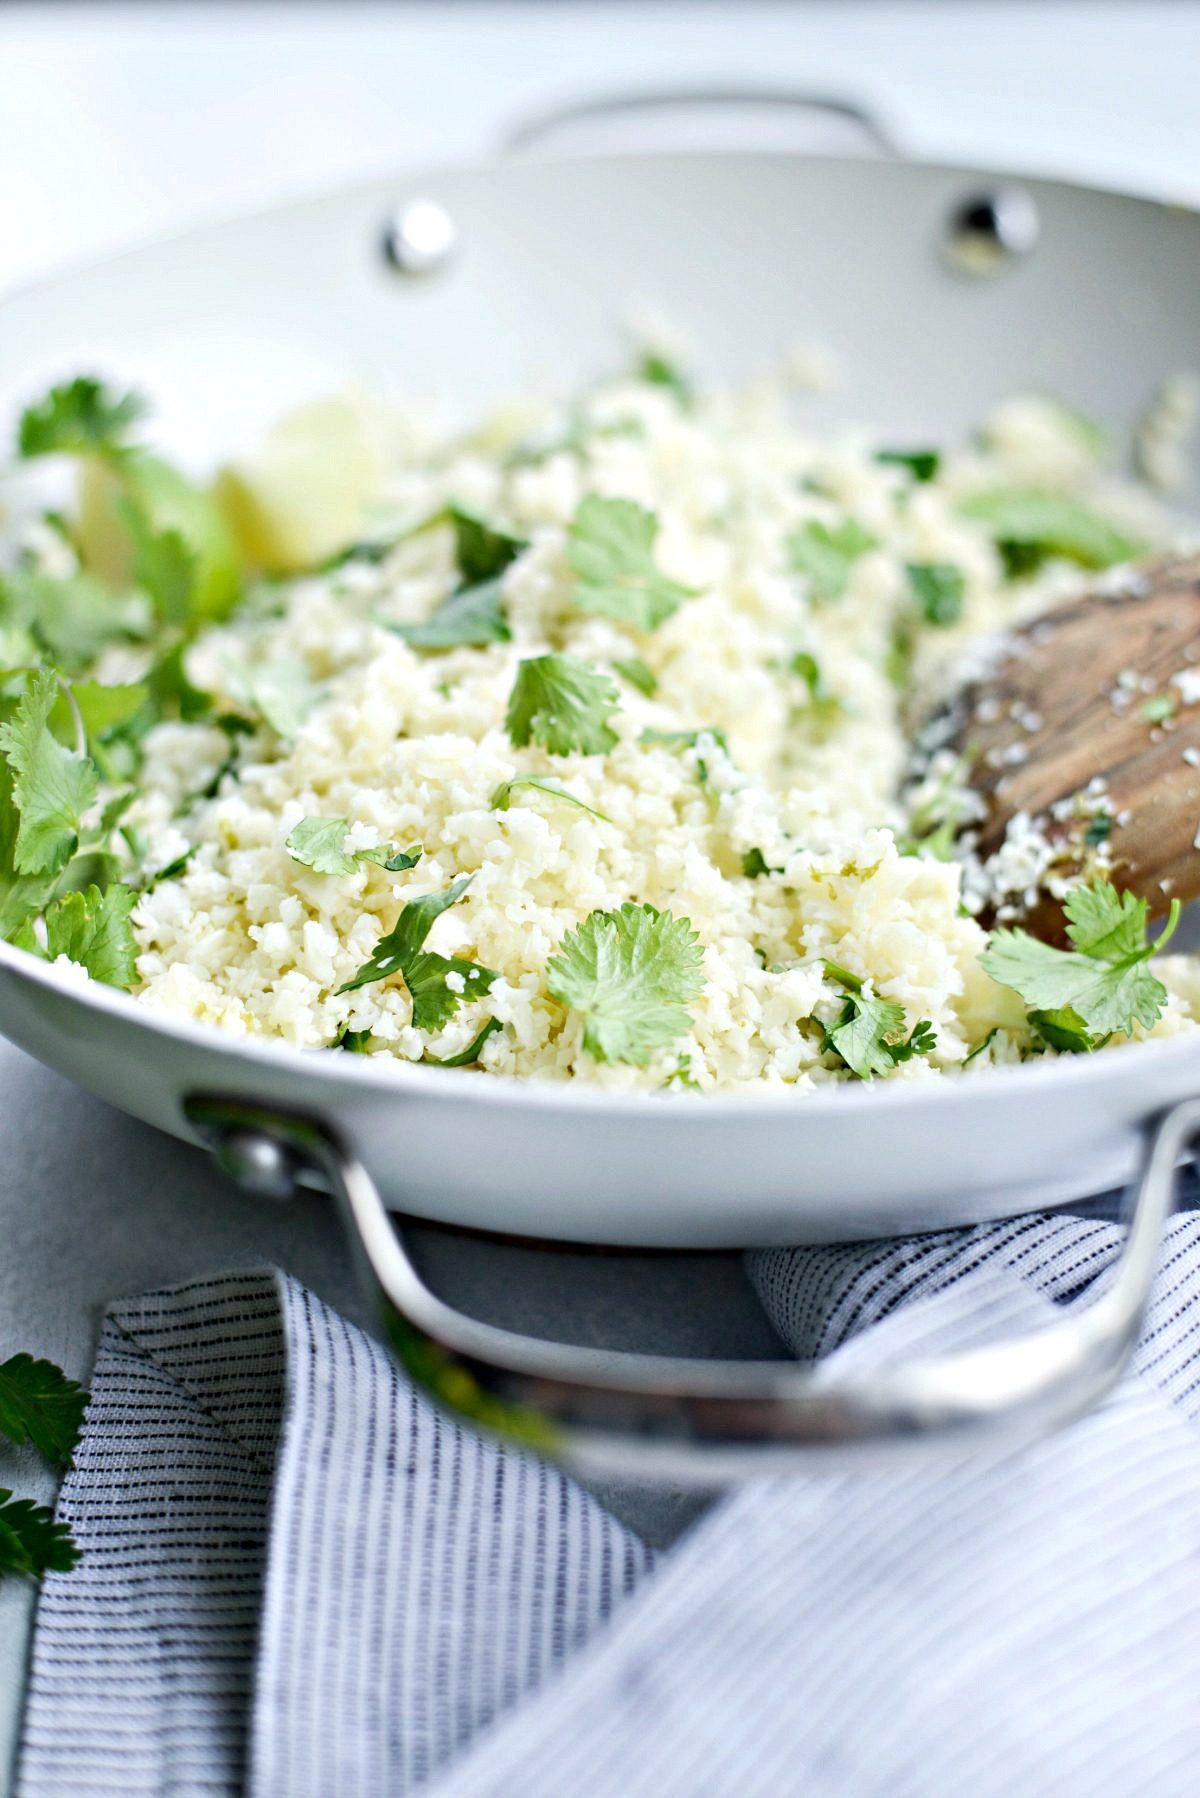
(1089, 295)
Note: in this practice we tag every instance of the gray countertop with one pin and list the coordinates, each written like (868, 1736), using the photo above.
(94, 1205)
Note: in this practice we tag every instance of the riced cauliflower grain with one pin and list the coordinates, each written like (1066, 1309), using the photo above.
(803, 733)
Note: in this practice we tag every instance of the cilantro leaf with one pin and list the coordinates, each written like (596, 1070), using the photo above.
(754, 865)
(173, 692)
(30, 1540)
(922, 465)
(635, 671)
(1063, 1029)
(481, 551)
(164, 564)
(826, 553)
(281, 692)
(317, 843)
(39, 1405)
(563, 704)
(657, 370)
(938, 588)
(983, 1044)
(691, 739)
(1103, 982)
(1028, 526)
(105, 709)
(502, 798)
(80, 417)
(808, 668)
(73, 618)
(632, 975)
(401, 951)
(610, 549)
(466, 1058)
(868, 1032)
(92, 929)
(52, 787)
(354, 1042)
(470, 618)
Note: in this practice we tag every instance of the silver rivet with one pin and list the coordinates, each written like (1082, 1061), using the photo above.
(419, 237)
(258, 1163)
(987, 232)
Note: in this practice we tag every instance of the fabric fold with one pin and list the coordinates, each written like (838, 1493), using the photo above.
(301, 1579)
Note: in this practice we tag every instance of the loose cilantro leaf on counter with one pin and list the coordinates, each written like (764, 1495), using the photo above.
(92, 929)
(502, 798)
(1103, 982)
(922, 465)
(470, 618)
(317, 843)
(938, 589)
(466, 1058)
(1158, 709)
(868, 1034)
(30, 1540)
(632, 975)
(1029, 526)
(563, 704)
(401, 951)
(39, 1405)
(82, 417)
(610, 549)
(826, 553)
(635, 671)
(52, 786)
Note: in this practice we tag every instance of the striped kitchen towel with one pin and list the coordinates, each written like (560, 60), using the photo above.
(300, 1580)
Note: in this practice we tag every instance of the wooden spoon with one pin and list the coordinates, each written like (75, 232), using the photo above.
(1084, 692)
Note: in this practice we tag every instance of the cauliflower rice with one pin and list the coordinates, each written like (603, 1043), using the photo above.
(762, 745)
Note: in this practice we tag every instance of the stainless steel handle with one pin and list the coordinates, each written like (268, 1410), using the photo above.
(709, 1422)
(536, 128)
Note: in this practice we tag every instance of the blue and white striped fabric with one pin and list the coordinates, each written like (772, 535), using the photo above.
(299, 1580)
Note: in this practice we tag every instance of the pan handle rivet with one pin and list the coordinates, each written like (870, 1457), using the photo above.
(988, 232)
(419, 238)
(258, 1163)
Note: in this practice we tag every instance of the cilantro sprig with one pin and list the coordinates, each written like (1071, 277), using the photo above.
(80, 417)
(319, 844)
(563, 704)
(40, 1406)
(1081, 996)
(502, 797)
(610, 549)
(825, 554)
(868, 1033)
(426, 974)
(92, 929)
(632, 975)
(52, 787)
(1029, 526)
